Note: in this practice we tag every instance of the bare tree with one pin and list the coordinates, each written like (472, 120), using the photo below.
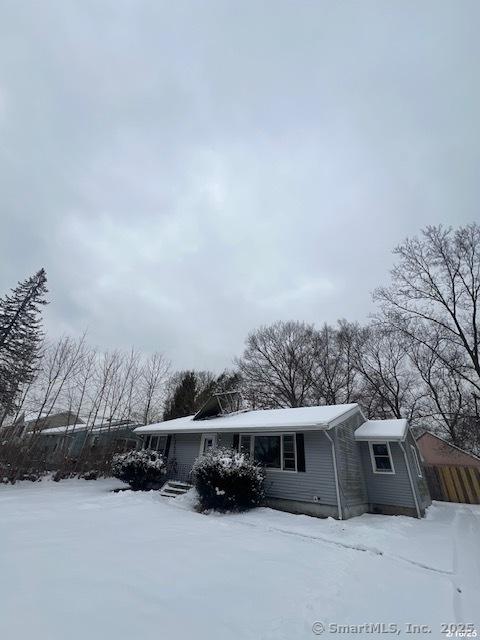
(336, 374)
(277, 365)
(449, 403)
(152, 388)
(435, 291)
(390, 387)
(60, 363)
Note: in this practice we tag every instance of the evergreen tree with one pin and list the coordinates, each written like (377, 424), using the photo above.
(191, 389)
(20, 338)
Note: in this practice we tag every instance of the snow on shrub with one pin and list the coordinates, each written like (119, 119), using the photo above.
(227, 480)
(142, 469)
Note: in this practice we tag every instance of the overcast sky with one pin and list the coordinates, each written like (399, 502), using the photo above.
(187, 171)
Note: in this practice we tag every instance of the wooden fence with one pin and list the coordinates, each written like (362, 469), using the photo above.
(454, 483)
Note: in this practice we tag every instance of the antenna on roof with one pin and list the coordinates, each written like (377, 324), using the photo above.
(230, 401)
(220, 404)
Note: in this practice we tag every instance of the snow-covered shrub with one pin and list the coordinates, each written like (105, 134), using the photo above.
(142, 469)
(227, 481)
(91, 475)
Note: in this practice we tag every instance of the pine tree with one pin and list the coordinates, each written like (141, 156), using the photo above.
(191, 389)
(20, 338)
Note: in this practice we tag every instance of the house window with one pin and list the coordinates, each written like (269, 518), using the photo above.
(267, 451)
(288, 455)
(208, 442)
(416, 461)
(245, 444)
(275, 451)
(381, 457)
(157, 443)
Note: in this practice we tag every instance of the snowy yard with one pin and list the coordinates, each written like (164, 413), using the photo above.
(78, 562)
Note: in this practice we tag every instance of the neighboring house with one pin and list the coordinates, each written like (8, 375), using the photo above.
(438, 452)
(27, 423)
(76, 439)
(323, 461)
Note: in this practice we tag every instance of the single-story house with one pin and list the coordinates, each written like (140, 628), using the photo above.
(74, 439)
(29, 422)
(323, 461)
(438, 452)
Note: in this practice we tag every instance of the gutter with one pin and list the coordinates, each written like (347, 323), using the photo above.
(417, 506)
(335, 471)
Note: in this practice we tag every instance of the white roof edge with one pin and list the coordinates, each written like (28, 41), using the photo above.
(203, 426)
(300, 419)
(339, 419)
(371, 431)
(380, 438)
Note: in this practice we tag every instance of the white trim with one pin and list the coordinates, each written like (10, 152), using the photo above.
(416, 461)
(372, 458)
(280, 434)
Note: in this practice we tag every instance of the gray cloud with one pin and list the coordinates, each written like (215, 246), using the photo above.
(187, 171)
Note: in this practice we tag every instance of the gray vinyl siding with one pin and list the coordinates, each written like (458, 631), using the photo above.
(385, 488)
(353, 489)
(184, 448)
(317, 479)
(421, 487)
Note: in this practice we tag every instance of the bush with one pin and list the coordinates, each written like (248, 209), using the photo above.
(228, 481)
(141, 469)
(90, 475)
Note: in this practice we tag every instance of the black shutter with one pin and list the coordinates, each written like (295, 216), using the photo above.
(300, 452)
(167, 446)
(236, 440)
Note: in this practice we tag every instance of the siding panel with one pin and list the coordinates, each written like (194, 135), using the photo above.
(184, 448)
(317, 479)
(349, 462)
(388, 489)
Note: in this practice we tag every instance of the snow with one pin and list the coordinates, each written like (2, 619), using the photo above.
(70, 428)
(265, 419)
(81, 562)
(382, 430)
(77, 428)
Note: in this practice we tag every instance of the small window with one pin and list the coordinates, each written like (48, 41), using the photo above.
(208, 442)
(289, 463)
(381, 457)
(416, 461)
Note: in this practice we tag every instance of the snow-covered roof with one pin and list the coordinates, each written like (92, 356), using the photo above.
(78, 428)
(382, 430)
(307, 418)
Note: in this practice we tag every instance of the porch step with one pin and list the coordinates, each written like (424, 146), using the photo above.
(174, 488)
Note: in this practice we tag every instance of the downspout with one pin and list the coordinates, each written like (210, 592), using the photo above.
(335, 472)
(412, 486)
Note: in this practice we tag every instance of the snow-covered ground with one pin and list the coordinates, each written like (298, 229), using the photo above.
(80, 562)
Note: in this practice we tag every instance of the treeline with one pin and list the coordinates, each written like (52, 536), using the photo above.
(417, 358)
